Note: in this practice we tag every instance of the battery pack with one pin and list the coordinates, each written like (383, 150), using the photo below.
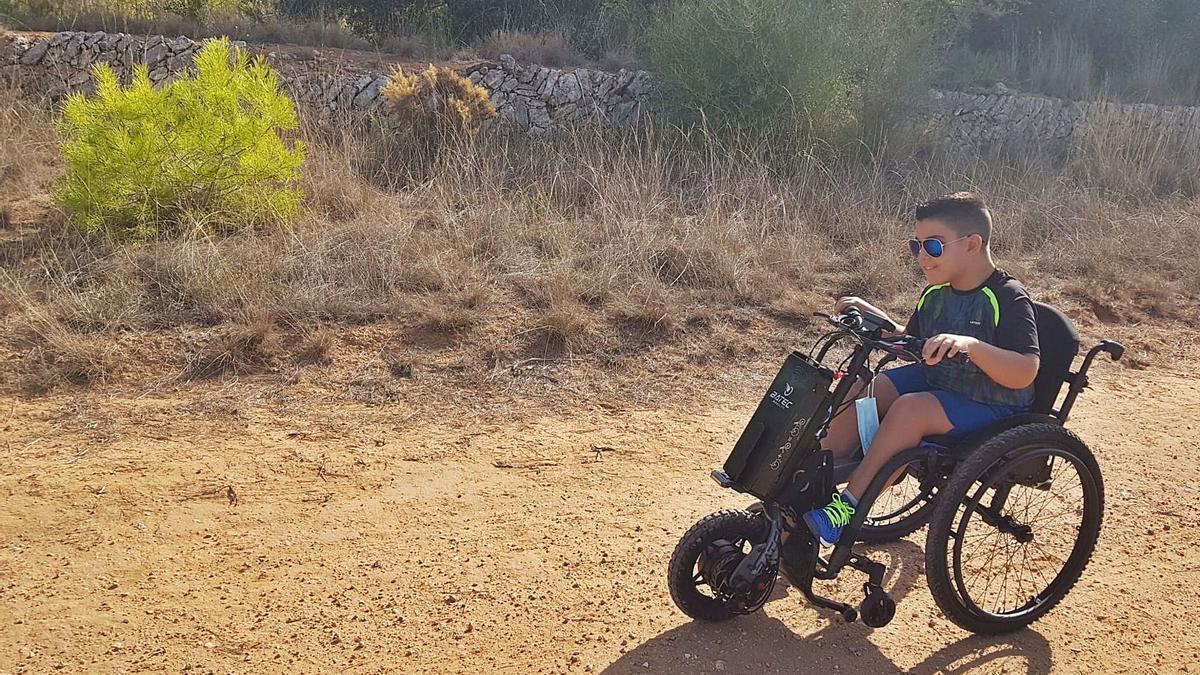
(783, 428)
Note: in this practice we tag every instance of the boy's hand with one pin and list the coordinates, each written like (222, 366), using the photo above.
(946, 346)
(865, 307)
(861, 305)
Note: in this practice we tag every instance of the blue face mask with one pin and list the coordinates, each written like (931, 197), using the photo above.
(868, 420)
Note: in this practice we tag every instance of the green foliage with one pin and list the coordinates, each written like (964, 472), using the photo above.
(200, 154)
(897, 44)
(775, 67)
(794, 68)
(594, 26)
(375, 19)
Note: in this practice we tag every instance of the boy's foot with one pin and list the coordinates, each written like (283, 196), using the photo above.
(827, 523)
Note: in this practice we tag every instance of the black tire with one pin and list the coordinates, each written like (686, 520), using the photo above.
(681, 573)
(886, 523)
(984, 469)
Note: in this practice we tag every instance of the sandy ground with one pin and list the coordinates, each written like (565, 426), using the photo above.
(249, 527)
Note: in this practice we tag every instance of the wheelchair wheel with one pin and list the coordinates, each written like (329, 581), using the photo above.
(903, 508)
(1014, 528)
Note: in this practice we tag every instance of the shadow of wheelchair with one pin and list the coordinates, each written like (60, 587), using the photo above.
(759, 643)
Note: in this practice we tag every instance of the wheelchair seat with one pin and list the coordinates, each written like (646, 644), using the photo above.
(1059, 343)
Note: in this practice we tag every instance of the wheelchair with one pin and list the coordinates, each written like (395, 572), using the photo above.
(1014, 510)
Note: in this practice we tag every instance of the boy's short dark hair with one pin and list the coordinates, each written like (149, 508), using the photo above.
(963, 212)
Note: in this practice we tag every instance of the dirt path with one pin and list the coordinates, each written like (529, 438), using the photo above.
(228, 530)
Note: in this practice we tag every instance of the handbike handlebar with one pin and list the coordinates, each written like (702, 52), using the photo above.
(869, 328)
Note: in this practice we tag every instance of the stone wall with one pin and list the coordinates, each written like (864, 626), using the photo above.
(534, 98)
(537, 99)
(989, 119)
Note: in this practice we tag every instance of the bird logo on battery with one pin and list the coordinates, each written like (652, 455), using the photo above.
(782, 400)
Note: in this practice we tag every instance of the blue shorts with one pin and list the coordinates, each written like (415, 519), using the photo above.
(964, 414)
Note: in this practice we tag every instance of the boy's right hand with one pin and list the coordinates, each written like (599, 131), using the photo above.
(861, 305)
(846, 302)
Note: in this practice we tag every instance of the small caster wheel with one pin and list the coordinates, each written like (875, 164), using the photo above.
(849, 615)
(878, 608)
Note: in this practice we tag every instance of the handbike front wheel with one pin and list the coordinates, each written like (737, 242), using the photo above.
(1014, 528)
(706, 556)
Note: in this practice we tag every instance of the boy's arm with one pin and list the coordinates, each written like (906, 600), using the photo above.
(1013, 361)
(1009, 369)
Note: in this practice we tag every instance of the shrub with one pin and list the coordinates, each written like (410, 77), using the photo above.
(200, 154)
(897, 47)
(786, 69)
(1072, 48)
(772, 66)
(438, 101)
(430, 111)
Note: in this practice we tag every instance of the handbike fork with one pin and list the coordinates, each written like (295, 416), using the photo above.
(872, 569)
(849, 613)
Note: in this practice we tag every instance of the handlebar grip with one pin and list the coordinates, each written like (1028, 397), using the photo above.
(917, 345)
(1113, 348)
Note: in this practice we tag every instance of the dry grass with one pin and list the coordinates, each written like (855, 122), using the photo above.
(51, 354)
(85, 15)
(549, 48)
(240, 350)
(1059, 63)
(597, 247)
(316, 348)
(1142, 160)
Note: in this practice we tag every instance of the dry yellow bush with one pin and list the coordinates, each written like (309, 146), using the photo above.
(437, 100)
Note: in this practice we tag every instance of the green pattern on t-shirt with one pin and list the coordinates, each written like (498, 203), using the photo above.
(976, 314)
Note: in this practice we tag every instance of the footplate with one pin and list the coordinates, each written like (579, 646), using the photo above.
(801, 561)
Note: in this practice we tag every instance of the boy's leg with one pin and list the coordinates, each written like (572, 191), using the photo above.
(842, 438)
(911, 417)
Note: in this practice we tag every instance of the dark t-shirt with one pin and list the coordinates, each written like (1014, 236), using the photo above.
(1017, 331)
(1000, 312)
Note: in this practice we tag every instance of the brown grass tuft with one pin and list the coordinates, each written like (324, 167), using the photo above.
(62, 358)
(50, 354)
(650, 310)
(240, 350)
(316, 348)
(565, 327)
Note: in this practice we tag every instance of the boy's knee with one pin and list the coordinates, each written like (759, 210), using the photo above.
(914, 402)
(918, 410)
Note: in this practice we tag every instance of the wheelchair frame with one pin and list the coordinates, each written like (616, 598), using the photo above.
(817, 476)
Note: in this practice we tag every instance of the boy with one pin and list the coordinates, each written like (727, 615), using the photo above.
(970, 307)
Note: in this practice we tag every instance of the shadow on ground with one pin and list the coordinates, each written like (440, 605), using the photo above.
(760, 643)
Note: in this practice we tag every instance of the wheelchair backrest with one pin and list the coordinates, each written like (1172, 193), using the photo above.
(1059, 342)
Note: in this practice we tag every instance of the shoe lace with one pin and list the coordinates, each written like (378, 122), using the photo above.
(839, 511)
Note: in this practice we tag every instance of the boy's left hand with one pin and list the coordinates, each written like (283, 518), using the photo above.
(946, 346)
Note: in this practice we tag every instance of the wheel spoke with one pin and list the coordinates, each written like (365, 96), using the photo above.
(999, 571)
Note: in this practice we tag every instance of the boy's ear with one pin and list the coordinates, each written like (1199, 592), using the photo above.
(975, 243)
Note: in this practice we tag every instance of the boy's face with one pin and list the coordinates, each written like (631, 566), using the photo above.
(956, 252)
